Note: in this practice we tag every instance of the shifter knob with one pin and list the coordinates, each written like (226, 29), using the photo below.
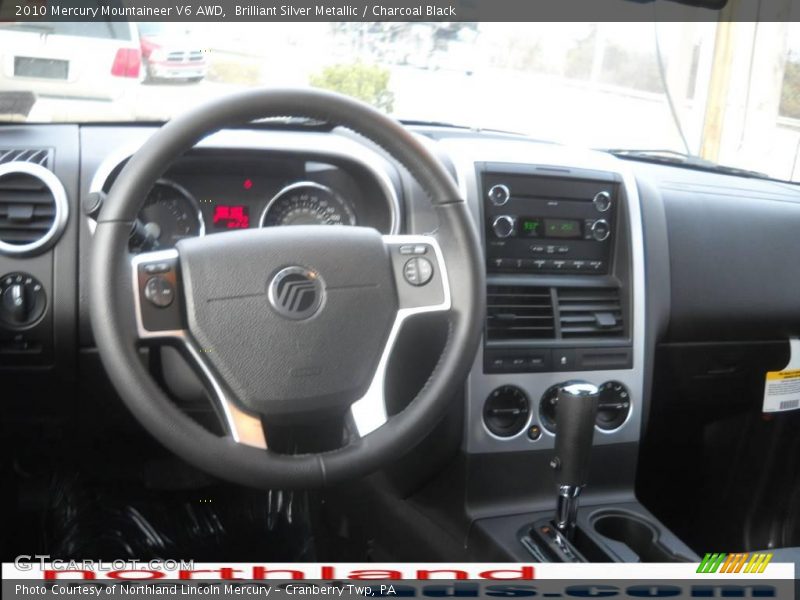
(575, 414)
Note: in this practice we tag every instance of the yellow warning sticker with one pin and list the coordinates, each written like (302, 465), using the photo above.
(780, 375)
(782, 388)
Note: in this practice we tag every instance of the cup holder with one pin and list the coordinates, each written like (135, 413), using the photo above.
(635, 533)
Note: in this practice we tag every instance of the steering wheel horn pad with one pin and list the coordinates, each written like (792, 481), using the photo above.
(274, 364)
(290, 321)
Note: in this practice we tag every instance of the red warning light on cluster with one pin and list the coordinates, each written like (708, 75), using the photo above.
(227, 216)
(247, 184)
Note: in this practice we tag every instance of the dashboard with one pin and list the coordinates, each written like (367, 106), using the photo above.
(591, 261)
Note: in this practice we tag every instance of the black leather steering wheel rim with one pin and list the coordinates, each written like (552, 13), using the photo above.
(111, 301)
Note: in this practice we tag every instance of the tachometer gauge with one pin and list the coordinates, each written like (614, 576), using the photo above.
(307, 203)
(169, 214)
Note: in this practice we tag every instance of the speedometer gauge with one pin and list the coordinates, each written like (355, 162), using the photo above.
(307, 203)
(170, 213)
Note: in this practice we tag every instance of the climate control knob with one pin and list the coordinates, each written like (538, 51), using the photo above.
(503, 226)
(601, 230)
(505, 412)
(614, 405)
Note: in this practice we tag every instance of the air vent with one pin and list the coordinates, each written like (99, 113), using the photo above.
(33, 208)
(590, 313)
(519, 313)
(36, 156)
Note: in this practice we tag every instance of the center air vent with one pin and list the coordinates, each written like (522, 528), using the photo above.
(33, 208)
(589, 312)
(519, 313)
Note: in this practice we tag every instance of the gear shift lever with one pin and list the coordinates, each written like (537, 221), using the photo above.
(575, 415)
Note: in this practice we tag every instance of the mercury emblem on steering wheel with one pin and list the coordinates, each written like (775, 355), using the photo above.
(296, 293)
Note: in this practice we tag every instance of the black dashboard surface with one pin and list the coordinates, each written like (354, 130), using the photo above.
(734, 254)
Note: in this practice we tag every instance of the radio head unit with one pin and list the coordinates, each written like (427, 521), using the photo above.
(548, 223)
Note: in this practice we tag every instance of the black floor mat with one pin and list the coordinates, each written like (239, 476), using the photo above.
(85, 519)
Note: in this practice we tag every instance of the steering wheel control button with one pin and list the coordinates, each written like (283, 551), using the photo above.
(417, 249)
(156, 268)
(499, 194)
(22, 300)
(296, 293)
(418, 271)
(159, 291)
(506, 410)
(602, 201)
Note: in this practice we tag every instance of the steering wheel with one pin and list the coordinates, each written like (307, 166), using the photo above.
(285, 323)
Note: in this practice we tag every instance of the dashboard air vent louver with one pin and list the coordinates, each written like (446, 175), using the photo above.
(33, 208)
(37, 156)
(516, 312)
(590, 312)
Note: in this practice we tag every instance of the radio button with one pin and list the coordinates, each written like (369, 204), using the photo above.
(537, 249)
(602, 201)
(540, 265)
(503, 226)
(579, 265)
(596, 265)
(499, 194)
(601, 230)
(562, 249)
(559, 265)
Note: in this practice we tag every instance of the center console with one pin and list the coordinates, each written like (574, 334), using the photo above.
(564, 257)
(561, 302)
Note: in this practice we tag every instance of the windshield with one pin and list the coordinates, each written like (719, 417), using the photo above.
(728, 92)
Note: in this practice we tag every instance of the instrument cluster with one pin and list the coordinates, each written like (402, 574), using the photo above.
(208, 193)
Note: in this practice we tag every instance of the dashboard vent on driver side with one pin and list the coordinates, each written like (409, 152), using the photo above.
(33, 207)
(515, 312)
(37, 156)
(589, 312)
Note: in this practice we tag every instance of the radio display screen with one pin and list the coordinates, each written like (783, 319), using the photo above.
(536, 227)
(563, 228)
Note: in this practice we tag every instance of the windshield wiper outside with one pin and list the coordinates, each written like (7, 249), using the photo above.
(424, 123)
(672, 157)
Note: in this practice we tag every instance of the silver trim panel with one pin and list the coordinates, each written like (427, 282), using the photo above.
(466, 155)
(369, 411)
(244, 427)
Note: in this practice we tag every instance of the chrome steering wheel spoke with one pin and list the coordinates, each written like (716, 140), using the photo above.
(422, 287)
(160, 318)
